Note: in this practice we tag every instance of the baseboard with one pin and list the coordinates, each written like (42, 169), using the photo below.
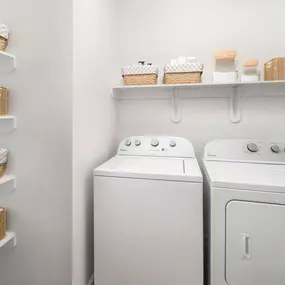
(91, 281)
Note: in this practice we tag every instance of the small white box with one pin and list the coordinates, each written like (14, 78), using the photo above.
(250, 78)
(225, 77)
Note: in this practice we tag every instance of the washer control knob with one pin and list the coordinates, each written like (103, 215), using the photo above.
(154, 142)
(275, 148)
(252, 147)
(137, 143)
(172, 143)
(128, 142)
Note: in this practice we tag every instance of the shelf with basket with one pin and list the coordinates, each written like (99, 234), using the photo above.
(9, 239)
(175, 92)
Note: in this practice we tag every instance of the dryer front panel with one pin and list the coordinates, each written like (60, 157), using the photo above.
(255, 243)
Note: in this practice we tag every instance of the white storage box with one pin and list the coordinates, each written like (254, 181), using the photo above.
(140, 74)
(225, 77)
(250, 78)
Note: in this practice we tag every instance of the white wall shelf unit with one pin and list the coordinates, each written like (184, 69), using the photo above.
(9, 118)
(7, 62)
(234, 91)
(8, 181)
(10, 238)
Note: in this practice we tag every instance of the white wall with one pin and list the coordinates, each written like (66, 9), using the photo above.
(94, 57)
(160, 30)
(40, 209)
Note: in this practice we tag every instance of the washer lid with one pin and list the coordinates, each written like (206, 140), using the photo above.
(246, 176)
(160, 168)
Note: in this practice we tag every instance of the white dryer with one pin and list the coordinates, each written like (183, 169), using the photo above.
(245, 181)
(148, 207)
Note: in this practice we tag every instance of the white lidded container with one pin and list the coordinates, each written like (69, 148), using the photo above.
(225, 67)
(251, 72)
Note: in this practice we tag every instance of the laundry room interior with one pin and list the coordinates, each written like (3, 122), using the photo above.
(90, 80)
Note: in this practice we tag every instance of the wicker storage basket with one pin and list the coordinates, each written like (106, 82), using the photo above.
(140, 79)
(2, 169)
(140, 75)
(3, 222)
(182, 78)
(274, 69)
(226, 54)
(3, 160)
(4, 35)
(3, 43)
(3, 101)
(188, 73)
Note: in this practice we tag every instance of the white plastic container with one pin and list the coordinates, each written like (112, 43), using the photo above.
(225, 77)
(250, 78)
(250, 71)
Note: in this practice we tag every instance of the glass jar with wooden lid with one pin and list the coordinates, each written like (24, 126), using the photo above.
(3, 101)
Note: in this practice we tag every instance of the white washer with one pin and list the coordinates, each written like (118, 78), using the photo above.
(246, 183)
(148, 206)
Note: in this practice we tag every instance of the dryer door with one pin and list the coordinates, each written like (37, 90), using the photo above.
(255, 243)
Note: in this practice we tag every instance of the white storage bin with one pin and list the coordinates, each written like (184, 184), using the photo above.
(250, 77)
(225, 77)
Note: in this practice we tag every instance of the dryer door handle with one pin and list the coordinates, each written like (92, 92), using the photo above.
(246, 241)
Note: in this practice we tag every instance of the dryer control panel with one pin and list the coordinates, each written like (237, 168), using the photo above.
(156, 146)
(246, 151)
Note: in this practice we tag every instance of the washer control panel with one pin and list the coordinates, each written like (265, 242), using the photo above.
(157, 146)
(246, 150)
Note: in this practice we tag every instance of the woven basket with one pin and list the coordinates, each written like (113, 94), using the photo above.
(3, 43)
(140, 79)
(274, 69)
(3, 222)
(2, 169)
(182, 78)
(3, 101)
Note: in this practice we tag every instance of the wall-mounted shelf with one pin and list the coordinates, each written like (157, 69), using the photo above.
(7, 62)
(234, 91)
(10, 238)
(9, 118)
(7, 181)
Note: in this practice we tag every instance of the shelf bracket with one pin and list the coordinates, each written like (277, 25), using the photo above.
(176, 112)
(235, 102)
(15, 182)
(15, 241)
(15, 123)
